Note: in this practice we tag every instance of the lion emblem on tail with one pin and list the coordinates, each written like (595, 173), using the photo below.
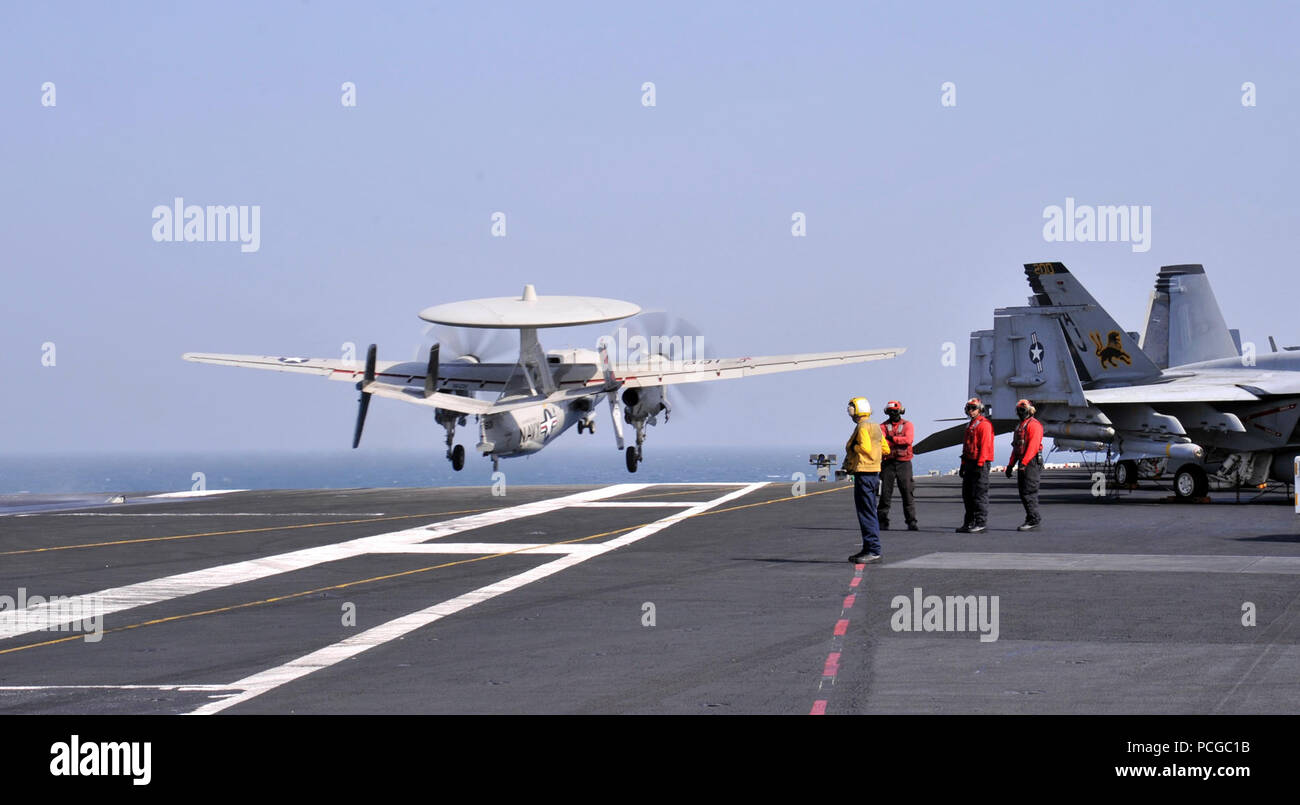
(1112, 352)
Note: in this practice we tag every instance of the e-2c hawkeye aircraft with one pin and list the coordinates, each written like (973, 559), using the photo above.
(543, 393)
(1182, 398)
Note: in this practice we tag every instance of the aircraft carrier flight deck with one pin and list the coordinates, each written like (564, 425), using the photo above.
(647, 598)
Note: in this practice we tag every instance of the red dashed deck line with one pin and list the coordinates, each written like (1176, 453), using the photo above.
(832, 667)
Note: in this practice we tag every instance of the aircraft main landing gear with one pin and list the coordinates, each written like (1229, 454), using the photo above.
(633, 454)
(456, 453)
(1126, 474)
(1191, 482)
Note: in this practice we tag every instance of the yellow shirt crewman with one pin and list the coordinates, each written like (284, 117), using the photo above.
(862, 457)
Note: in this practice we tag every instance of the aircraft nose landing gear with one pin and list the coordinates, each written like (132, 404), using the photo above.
(633, 457)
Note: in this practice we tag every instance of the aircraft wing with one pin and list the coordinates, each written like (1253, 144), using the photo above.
(951, 437)
(404, 380)
(456, 375)
(1171, 393)
(472, 405)
(649, 373)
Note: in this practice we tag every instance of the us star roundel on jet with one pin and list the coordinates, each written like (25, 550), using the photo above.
(543, 393)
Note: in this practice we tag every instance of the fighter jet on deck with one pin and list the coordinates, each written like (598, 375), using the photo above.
(1182, 398)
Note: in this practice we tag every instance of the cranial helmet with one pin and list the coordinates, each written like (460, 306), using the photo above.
(895, 405)
(859, 406)
(1026, 405)
(974, 402)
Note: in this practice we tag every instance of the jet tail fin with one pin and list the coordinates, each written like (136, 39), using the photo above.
(1184, 323)
(1024, 356)
(1103, 352)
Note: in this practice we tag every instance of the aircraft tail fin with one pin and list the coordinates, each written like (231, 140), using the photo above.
(1103, 352)
(1184, 323)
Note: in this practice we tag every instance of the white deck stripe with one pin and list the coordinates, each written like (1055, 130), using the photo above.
(1134, 562)
(489, 548)
(634, 504)
(116, 599)
(268, 680)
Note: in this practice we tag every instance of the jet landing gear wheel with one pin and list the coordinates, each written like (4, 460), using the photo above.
(1191, 482)
(1126, 474)
(632, 459)
(458, 457)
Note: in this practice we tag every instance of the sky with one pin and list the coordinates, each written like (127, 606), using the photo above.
(919, 215)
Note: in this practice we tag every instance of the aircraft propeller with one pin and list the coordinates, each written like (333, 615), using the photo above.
(481, 345)
(689, 344)
(611, 387)
(431, 373)
(364, 401)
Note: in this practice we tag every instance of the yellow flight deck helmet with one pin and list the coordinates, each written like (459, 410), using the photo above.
(859, 406)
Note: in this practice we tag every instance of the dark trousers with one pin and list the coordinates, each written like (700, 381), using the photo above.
(1027, 480)
(899, 472)
(866, 489)
(975, 493)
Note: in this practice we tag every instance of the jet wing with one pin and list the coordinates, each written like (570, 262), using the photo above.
(1171, 393)
(456, 375)
(663, 373)
(951, 437)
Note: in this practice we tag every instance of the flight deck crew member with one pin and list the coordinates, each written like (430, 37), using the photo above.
(897, 466)
(862, 457)
(976, 461)
(1027, 448)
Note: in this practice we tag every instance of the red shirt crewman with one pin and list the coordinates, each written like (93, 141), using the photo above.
(896, 469)
(1027, 451)
(976, 461)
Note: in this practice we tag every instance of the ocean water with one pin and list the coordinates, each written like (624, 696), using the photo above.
(347, 469)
